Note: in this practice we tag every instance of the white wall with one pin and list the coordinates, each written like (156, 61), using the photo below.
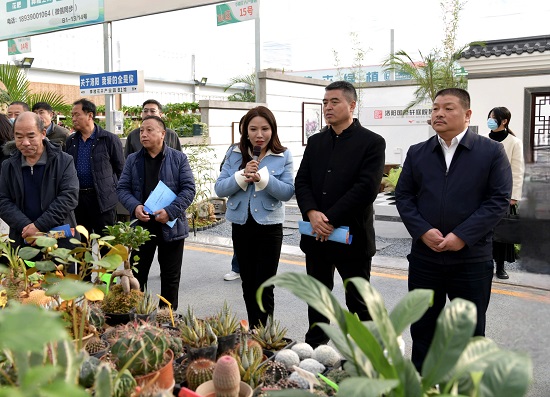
(400, 136)
(506, 91)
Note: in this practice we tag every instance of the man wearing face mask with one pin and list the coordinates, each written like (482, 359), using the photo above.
(15, 109)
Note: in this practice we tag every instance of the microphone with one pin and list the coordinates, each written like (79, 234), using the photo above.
(256, 152)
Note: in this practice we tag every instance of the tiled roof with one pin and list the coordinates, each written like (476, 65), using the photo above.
(509, 46)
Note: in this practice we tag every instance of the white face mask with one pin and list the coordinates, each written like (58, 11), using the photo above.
(12, 120)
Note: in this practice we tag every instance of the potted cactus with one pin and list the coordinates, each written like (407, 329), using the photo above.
(226, 381)
(249, 357)
(198, 336)
(271, 336)
(146, 309)
(143, 349)
(225, 325)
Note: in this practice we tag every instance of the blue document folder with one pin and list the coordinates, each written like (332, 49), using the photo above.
(159, 198)
(339, 235)
(62, 231)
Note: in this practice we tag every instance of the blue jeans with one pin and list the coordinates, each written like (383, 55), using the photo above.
(235, 264)
(470, 281)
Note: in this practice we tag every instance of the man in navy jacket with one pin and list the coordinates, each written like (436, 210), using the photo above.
(453, 190)
(99, 161)
(144, 169)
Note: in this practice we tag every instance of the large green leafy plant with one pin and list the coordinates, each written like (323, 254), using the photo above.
(456, 364)
(17, 88)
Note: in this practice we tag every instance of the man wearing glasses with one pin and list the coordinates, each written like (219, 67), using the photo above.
(150, 107)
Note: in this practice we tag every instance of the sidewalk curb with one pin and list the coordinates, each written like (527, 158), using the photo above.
(519, 279)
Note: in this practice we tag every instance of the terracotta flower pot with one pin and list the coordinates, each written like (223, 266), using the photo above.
(163, 378)
(207, 390)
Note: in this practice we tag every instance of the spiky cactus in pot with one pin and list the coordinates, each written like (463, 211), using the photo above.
(249, 359)
(197, 333)
(224, 322)
(141, 347)
(199, 371)
(271, 335)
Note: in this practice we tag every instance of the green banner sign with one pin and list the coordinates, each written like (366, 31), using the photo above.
(19, 46)
(237, 11)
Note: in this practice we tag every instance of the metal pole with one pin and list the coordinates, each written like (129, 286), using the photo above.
(392, 52)
(194, 78)
(108, 66)
(258, 45)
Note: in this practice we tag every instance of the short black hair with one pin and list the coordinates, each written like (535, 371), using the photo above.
(347, 88)
(159, 120)
(152, 101)
(87, 106)
(460, 93)
(25, 105)
(42, 106)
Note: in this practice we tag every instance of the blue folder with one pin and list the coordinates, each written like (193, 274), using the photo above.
(339, 235)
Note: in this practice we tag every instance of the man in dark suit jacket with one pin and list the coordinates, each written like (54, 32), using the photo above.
(453, 190)
(150, 107)
(336, 185)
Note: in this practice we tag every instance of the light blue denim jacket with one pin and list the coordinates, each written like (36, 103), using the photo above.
(265, 198)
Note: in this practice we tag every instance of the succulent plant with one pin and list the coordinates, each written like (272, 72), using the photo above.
(96, 316)
(274, 372)
(287, 357)
(195, 332)
(224, 322)
(249, 359)
(148, 304)
(312, 365)
(95, 345)
(302, 383)
(226, 377)
(271, 335)
(326, 355)
(199, 371)
(303, 349)
(164, 317)
(140, 347)
(180, 369)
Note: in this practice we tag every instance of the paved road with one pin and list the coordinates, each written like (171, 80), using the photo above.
(518, 317)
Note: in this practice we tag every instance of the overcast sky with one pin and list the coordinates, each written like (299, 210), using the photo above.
(295, 35)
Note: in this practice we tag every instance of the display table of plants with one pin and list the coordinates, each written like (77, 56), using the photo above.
(62, 336)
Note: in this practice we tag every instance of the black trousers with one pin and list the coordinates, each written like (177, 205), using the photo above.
(89, 215)
(470, 281)
(170, 258)
(321, 267)
(258, 249)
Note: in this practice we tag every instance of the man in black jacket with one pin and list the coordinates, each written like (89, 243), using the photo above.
(38, 184)
(452, 191)
(55, 133)
(336, 185)
(99, 162)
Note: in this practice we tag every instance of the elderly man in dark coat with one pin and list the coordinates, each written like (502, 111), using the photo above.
(38, 183)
